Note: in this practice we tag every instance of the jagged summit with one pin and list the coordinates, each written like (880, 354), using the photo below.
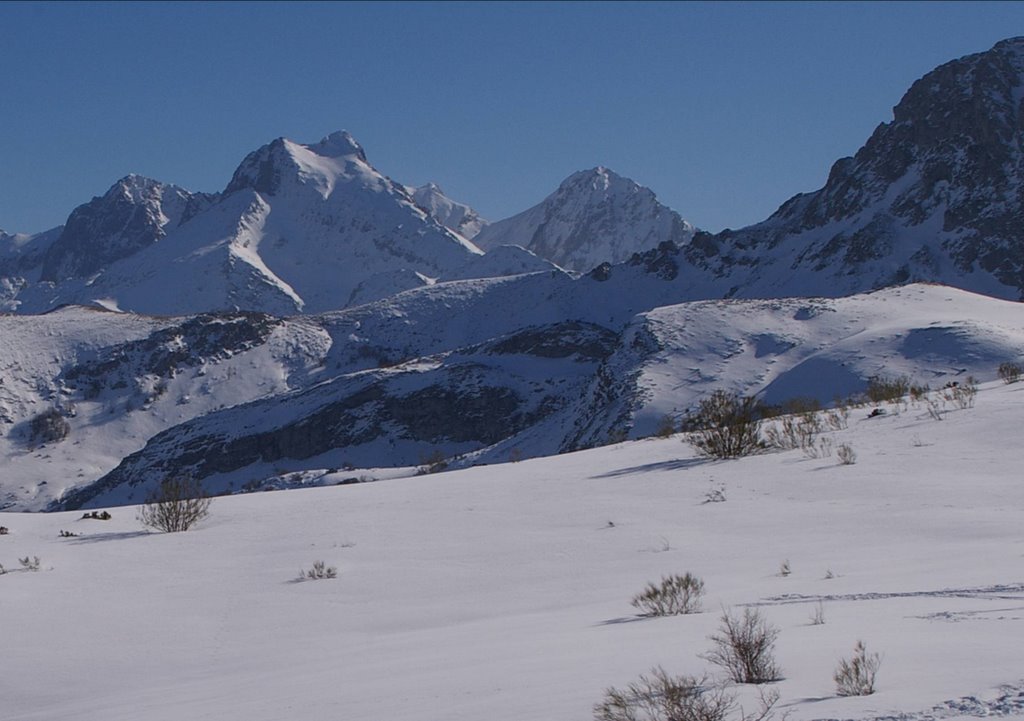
(339, 144)
(933, 195)
(595, 216)
(455, 216)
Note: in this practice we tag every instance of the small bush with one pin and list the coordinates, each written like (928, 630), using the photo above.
(29, 564)
(846, 455)
(818, 615)
(881, 389)
(745, 648)
(784, 569)
(434, 462)
(4, 530)
(660, 697)
(962, 394)
(49, 427)
(856, 677)
(666, 427)
(319, 571)
(177, 505)
(67, 534)
(674, 596)
(726, 425)
(1009, 372)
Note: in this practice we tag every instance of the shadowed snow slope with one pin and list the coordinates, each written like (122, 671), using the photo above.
(503, 591)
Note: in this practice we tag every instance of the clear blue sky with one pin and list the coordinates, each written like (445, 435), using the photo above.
(725, 110)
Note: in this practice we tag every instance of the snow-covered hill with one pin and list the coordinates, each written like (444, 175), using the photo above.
(594, 217)
(503, 591)
(483, 369)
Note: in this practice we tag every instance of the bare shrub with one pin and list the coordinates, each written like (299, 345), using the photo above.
(433, 462)
(818, 615)
(49, 427)
(881, 389)
(675, 595)
(30, 564)
(661, 697)
(784, 569)
(846, 454)
(745, 648)
(962, 394)
(856, 677)
(4, 530)
(666, 427)
(319, 571)
(176, 505)
(1009, 372)
(796, 431)
(838, 418)
(726, 425)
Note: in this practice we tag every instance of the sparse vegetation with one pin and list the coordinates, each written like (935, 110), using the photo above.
(319, 571)
(784, 569)
(4, 530)
(962, 394)
(856, 677)
(175, 506)
(818, 615)
(661, 697)
(675, 595)
(30, 564)
(1009, 372)
(846, 454)
(666, 427)
(745, 647)
(433, 462)
(49, 427)
(726, 425)
(881, 389)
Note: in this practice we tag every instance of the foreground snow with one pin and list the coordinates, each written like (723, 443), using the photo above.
(502, 592)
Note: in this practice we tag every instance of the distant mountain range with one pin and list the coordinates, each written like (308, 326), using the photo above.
(317, 314)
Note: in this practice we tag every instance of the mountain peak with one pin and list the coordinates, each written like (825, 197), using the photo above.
(337, 145)
(595, 216)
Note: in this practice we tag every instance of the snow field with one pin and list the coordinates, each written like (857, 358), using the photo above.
(502, 592)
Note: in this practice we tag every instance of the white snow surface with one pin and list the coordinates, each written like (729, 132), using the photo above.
(503, 591)
(453, 215)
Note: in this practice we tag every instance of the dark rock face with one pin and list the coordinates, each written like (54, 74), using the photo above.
(585, 341)
(135, 213)
(199, 339)
(936, 194)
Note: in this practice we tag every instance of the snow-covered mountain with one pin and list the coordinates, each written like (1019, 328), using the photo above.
(453, 215)
(935, 195)
(594, 217)
(297, 229)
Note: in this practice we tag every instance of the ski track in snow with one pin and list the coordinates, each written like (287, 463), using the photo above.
(994, 592)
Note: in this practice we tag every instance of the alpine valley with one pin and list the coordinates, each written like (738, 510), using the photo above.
(317, 323)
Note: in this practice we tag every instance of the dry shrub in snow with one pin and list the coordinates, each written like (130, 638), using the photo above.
(856, 677)
(660, 697)
(726, 425)
(319, 571)
(846, 455)
(745, 647)
(675, 595)
(882, 389)
(49, 427)
(177, 505)
(1009, 372)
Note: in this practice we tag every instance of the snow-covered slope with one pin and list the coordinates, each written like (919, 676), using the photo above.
(401, 387)
(934, 195)
(503, 592)
(453, 215)
(594, 217)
